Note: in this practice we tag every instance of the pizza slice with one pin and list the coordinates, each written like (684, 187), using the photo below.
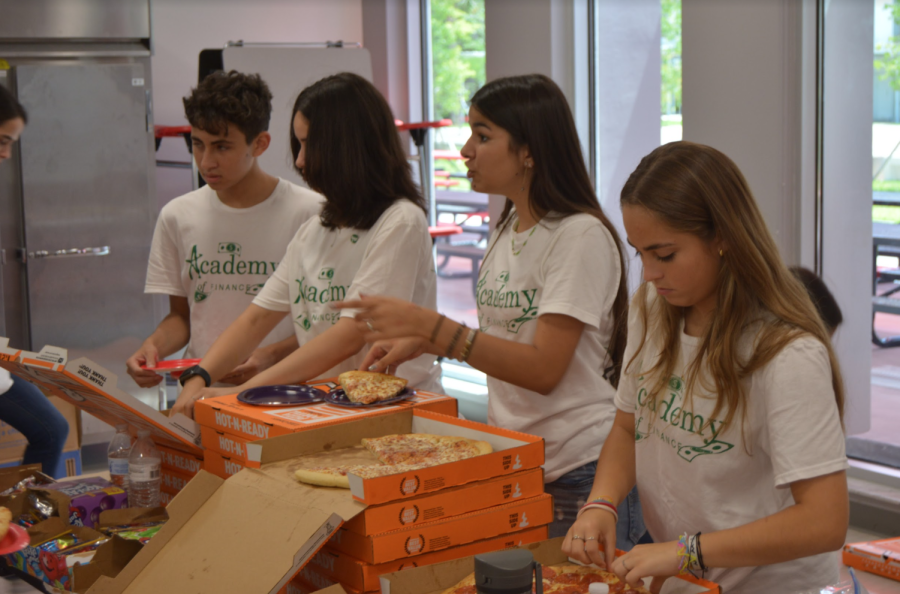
(336, 476)
(423, 448)
(367, 387)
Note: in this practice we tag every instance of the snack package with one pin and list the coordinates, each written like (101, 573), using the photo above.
(88, 497)
(35, 480)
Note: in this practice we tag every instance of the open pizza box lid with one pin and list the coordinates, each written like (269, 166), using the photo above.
(434, 579)
(94, 389)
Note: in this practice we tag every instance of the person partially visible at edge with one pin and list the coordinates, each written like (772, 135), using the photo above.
(214, 248)
(552, 299)
(730, 403)
(371, 238)
(22, 405)
(825, 303)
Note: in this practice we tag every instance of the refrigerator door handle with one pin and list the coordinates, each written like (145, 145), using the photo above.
(70, 253)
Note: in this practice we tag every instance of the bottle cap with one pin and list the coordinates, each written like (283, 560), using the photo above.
(121, 427)
(143, 433)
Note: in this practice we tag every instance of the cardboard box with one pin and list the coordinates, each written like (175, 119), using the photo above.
(443, 534)
(221, 466)
(53, 568)
(173, 481)
(448, 502)
(94, 390)
(309, 576)
(300, 586)
(87, 497)
(218, 529)
(166, 497)
(69, 464)
(434, 579)
(227, 444)
(13, 443)
(364, 576)
(877, 556)
(229, 415)
(182, 462)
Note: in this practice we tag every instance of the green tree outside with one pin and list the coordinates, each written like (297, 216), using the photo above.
(457, 45)
(887, 65)
(671, 57)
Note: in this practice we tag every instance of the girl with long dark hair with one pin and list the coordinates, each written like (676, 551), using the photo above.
(371, 238)
(551, 292)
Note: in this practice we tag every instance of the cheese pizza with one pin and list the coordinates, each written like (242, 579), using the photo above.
(565, 578)
(397, 454)
(366, 387)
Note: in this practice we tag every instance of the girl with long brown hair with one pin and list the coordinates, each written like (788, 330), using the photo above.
(551, 292)
(730, 402)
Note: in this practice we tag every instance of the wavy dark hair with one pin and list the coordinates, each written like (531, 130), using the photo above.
(535, 113)
(10, 108)
(354, 156)
(224, 98)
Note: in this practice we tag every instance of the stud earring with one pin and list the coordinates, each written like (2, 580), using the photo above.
(721, 252)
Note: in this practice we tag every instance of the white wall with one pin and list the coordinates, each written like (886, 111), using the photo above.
(182, 28)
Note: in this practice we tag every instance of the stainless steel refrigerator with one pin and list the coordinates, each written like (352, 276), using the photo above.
(77, 199)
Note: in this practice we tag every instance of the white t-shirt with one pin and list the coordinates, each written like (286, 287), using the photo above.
(564, 266)
(5, 381)
(322, 265)
(693, 477)
(219, 257)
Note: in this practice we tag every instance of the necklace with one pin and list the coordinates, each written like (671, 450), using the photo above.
(524, 243)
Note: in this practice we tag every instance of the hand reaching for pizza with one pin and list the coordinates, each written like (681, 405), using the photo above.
(594, 528)
(659, 560)
(381, 318)
(386, 355)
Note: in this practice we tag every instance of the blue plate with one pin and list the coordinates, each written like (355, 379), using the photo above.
(281, 395)
(338, 397)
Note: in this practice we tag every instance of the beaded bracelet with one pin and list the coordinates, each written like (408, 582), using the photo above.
(467, 347)
(455, 339)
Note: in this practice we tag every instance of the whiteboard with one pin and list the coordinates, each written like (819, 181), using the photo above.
(287, 71)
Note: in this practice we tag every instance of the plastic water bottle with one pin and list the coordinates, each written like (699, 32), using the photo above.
(117, 453)
(143, 472)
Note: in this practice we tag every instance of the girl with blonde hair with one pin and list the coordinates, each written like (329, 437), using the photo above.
(730, 402)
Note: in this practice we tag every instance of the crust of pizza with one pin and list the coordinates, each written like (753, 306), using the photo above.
(323, 477)
(5, 519)
(367, 387)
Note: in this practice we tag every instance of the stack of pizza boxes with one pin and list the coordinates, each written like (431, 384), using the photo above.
(229, 427)
(177, 468)
(440, 513)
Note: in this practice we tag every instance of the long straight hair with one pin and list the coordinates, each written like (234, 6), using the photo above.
(534, 111)
(354, 155)
(696, 189)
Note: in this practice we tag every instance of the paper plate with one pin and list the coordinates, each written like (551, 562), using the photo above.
(173, 365)
(281, 395)
(15, 540)
(338, 397)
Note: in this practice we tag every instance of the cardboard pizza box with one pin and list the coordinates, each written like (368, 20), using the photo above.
(434, 579)
(446, 533)
(881, 557)
(229, 415)
(221, 466)
(173, 480)
(94, 390)
(456, 501)
(299, 586)
(218, 529)
(188, 464)
(365, 576)
(166, 497)
(309, 576)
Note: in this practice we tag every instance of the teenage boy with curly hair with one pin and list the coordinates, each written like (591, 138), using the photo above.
(214, 248)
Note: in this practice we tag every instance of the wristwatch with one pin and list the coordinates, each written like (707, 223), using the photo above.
(196, 370)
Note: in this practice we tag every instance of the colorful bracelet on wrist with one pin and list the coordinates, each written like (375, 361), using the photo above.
(600, 503)
(689, 556)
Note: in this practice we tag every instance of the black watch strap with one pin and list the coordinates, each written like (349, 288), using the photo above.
(196, 370)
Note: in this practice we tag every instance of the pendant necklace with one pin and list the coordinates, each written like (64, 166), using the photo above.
(524, 243)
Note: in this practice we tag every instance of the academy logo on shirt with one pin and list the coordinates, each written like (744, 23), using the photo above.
(499, 297)
(687, 432)
(200, 293)
(318, 293)
(230, 264)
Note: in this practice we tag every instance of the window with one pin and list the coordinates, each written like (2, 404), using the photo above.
(670, 71)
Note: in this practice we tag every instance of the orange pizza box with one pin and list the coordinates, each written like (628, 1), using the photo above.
(449, 532)
(230, 415)
(299, 586)
(434, 579)
(165, 497)
(94, 390)
(448, 502)
(221, 466)
(876, 556)
(227, 444)
(364, 576)
(173, 480)
(280, 524)
(182, 462)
